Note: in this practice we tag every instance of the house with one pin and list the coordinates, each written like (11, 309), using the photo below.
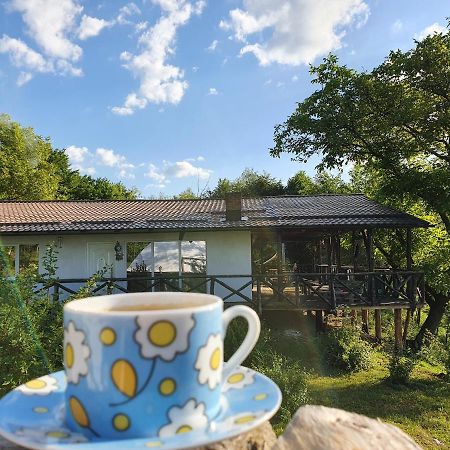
(238, 248)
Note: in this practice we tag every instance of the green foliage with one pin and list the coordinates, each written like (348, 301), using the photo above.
(322, 183)
(401, 365)
(344, 349)
(25, 170)
(287, 373)
(30, 169)
(250, 183)
(74, 186)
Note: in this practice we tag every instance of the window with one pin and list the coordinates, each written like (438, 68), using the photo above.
(10, 264)
(193, 257)
(139, 257)
(167, 261)
(28, 255)
(7, 261)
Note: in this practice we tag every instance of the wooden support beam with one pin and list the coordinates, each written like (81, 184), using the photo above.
(338, 253)
(406, 326)
(409, 261)
(354, 252)
(354, 317)
(365, 320)
(377, 315)
(398, 337)
(319, 321)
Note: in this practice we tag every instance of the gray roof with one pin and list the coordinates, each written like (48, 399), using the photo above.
(284, 212)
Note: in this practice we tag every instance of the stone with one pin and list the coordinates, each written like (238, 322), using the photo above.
(260, 438)
(319, 428)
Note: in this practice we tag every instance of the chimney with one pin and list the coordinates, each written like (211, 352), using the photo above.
(233, 206)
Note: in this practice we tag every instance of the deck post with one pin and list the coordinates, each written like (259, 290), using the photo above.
(410, 284)
(365, 320)
(378, 335)
(338, 252)
(354, 317)
(398, 329)
(258, 295)
(406, 326)
(370, 265)
(212, 284)
(319, 321)
(354, 252)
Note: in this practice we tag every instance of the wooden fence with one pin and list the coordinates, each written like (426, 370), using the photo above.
(310, 291)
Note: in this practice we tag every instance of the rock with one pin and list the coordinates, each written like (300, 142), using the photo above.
(261, 438)
(319, 428)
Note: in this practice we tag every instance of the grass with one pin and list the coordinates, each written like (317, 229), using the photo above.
(421, 409)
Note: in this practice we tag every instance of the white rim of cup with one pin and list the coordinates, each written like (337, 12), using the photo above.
(95, 305)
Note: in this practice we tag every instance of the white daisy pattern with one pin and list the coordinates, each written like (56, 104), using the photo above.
(190, 417)
(163, 337)
(238, 379)
(76, 353)
(210, 361)
(39, 386)
(56, 435)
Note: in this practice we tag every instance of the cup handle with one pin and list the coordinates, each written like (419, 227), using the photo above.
(254, 327)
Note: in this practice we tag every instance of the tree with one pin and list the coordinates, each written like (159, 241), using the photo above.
(25, 170)
(250, 183)
(394, 122)
(74, 186)
(322, 183)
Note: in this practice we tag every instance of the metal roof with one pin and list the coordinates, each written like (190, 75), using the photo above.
(286, 212)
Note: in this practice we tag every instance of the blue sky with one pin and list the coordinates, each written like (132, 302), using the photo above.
(169, 94)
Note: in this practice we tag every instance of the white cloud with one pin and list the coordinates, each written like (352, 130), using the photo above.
(195, 69)
(183, 169)
(49, 23)
(77, 155)
(160, 82)
(130, 9)
(109, 158)
(155, 174)
(140, 26)
(294, 79)
(213, 45)
(431, 29)
(397, 26)
(298, 30)
(91, 26)
(280, 84)
(23, 78)
(23, 56)
(179, 169)
(213, 91)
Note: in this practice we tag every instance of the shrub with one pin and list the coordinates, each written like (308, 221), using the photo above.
(284, 371)
(401, 365)
(344, 349)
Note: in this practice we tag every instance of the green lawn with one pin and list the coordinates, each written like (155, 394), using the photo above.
(422, 409)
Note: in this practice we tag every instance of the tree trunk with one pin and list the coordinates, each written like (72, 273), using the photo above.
(431, 324)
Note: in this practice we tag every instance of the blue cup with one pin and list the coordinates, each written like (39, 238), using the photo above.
(148, 364)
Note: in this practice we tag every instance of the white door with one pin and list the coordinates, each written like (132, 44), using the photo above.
(100, 255)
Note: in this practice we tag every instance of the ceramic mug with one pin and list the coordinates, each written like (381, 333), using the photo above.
(144, 372)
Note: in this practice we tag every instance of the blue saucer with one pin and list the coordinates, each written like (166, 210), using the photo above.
(33, 415)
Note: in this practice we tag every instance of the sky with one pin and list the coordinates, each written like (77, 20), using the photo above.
(166, 95)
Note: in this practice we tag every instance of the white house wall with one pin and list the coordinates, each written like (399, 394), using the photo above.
(228, 253)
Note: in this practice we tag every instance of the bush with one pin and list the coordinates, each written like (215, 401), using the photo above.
(344, 349)
(284, 371)
(401, 365)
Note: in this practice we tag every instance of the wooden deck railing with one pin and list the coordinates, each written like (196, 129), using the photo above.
(326, 291)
